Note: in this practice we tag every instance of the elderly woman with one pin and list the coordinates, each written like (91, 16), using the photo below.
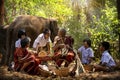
(63, 48)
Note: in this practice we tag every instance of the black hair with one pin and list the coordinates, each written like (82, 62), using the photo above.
(25, 42)
(21, 32)
(106, 45)
(88, 41)
(46, 31)
(63, 31)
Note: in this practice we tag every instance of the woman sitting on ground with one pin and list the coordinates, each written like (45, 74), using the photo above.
(63, 48)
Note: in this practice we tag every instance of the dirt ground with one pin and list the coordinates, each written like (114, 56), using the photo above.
(10, 75)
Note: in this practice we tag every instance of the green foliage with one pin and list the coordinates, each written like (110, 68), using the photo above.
(96, 20)
(105, 28)
(102, 27)
(77, 29)
(46, 8)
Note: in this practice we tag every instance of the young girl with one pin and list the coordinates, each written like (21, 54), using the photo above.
(107, 63)
(20, 53)
(23, 58)
(42, 41)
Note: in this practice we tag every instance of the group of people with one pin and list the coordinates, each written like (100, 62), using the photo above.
(29, 61)
(23, 59)
(86, 55)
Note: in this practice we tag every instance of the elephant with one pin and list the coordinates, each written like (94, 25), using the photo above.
(33, 26)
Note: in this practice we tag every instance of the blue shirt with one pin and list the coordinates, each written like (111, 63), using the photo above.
(107, 58)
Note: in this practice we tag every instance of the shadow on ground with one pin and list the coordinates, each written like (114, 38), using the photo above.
(10, 75)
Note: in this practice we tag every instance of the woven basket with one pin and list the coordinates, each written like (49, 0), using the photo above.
(44, 73)
(88, 67)
(62, 72)
(42, 53)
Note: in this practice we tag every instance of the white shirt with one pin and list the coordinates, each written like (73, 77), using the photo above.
(41, 41)
(18, 43)
(86, 54)
(107, 58)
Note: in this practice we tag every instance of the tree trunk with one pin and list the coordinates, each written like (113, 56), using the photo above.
(119, 44)
(118, 10)
(1, 12)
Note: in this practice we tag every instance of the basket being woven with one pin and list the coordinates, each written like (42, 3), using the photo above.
(62, 72)
(44, 73)
(42, 53)
(88, 67)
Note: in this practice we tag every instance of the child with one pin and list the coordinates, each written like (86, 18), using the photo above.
(85, 52)
(21, 35)
(23, 58)
(42, 41)
(107, 63)
(20, 53)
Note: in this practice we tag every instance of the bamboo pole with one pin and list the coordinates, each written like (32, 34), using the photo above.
(79, 66)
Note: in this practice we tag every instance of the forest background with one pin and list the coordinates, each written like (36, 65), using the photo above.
(94, 19)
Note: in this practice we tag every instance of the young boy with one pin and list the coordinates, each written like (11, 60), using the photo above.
(21, 35)
(85, 52)
(42, 41)
(107, 63)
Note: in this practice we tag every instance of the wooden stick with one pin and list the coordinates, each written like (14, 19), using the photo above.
(80, 68)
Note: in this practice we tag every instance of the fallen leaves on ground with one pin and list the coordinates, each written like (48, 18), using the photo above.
(10, 75)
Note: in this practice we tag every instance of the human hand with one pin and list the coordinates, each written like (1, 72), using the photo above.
(67, 46)
(48, 52)
(62, 45)
(20, 61)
